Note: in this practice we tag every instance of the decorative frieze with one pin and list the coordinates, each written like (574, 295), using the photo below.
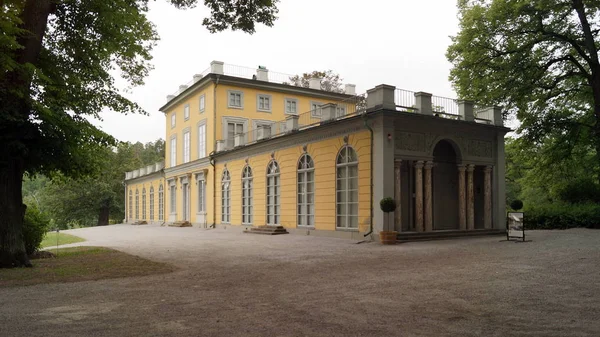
(479, 148)
(410, 141)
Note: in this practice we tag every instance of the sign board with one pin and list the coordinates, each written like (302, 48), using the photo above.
(515, 227)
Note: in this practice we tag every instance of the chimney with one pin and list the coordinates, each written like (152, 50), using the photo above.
(197, 78)
(262, 74)
(216, 67)
(350, 89)
(314, 83)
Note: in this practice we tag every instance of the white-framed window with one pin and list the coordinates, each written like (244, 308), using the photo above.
(173, 151)
(130, 205)
(151, 203)
(161, 203)
(201, 196)
(233, 128)
(235, 99)
(202, 103)
(347, 189)
(137, 204)
(144, 203)
(173, 120)
(186, 112)
(291, 106)
(202, 140)
(315, 109)
(273, 193)
(225, 197)
(173, 198)
(340, 111)
(247, 196)
(306, 191)
(186, 146)
(263, 103)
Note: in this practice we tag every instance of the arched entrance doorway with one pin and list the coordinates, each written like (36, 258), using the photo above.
(445, 186)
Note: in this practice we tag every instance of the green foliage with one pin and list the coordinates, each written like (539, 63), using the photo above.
(387, 204)
(35, 226)
(330, 81)
(516, 204)
(581, 190)
(563, 216)
(239, 15)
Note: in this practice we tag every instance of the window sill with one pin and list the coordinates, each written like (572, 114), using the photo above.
(267, 111)
(235, 107)
(341, 229)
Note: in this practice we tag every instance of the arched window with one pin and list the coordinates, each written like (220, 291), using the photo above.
(130, 204)
(273, 191)
(306, 191)
(151, 203)
(225, 197)
(161, 203)
(137, 204)
(347, 188)
(247, 195)
(144, 203)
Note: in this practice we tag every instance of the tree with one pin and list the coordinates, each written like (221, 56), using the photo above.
(539, 59)
(56, 58)
(330, 81)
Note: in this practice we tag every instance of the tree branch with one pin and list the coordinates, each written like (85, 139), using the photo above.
(585, 25)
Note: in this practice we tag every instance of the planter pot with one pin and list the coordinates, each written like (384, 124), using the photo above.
(388, 237)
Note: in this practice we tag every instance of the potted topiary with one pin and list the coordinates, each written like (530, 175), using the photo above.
(388, 237)
(516, 205)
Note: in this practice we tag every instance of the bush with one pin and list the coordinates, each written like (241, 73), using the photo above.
(563, 216)
(516, 204)
(582, 190)
(35, 226)
(387, 205)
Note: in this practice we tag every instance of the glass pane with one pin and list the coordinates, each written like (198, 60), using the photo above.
(310, 187)
(300, 177)
(341, 172)
(352, 155)
(353, 209)
(353, 183)
(341, 221)
(310, 176)
(353, 222)
(353, 196)
(341, 209)
(310, 198)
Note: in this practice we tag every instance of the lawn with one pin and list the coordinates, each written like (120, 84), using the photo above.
(63, 239)
(82, 264)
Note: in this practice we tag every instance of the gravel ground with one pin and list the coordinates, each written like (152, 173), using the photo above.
(234, 284)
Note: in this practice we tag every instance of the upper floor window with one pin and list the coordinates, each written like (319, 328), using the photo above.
(173, 151)
(263, 103)
(186, 146)
(173, 120)
(340, 111)
(186, 112)
(236, 99)
(315, 109)
(201, 140)
(291, 106)
(202, 102)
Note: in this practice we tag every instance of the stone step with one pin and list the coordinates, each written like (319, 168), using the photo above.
(444, 235)
(180, 224)
(267, 230)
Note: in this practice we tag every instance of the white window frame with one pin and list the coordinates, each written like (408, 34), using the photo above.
(225, 197)
(173, 197)
(225, 120)
(151, 203)
(235, 92)
(173, 151)
(202, 103)
(247, 196)
(144, 203)
(316, 112)
(340, 111)
(273, 201)
(137, 204)
(201, 196)
(161, 203)
(130, 204)
(187, 148)
(186, 112)
(305, 208)
(201, 139)
(344, 163)
(173, 119)
(264, 97)
(295, 101)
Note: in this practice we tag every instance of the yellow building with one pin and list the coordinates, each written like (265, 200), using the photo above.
(246, 149)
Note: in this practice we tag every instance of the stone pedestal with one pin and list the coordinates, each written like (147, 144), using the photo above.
(428, 197)
(419, 196)
(487, 205)
(462, 198)
(470, 198)
(397, 193)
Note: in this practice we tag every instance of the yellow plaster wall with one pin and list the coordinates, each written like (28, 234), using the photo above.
(324, 155)
(152, 181)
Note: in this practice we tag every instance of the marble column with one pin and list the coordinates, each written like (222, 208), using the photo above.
(419, 196)
(397, 194)
(462, 198)
(428, 197)
(470, 198)
(487, 190)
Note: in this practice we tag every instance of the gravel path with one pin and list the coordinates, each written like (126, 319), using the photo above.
(234, 284)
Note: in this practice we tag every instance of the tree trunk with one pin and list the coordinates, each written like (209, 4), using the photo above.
(103, 216)
(12, 213)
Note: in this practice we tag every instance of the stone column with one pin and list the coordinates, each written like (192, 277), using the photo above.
(397, 193)
(428, 197)
(470, 198)
(487, 190)
(462, 198)
(419, 196)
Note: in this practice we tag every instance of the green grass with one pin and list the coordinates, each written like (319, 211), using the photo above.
(63, 239)
(81, 264)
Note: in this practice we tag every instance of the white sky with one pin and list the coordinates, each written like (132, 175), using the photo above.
(402, 43)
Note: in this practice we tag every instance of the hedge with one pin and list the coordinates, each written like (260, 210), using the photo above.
(563, 216)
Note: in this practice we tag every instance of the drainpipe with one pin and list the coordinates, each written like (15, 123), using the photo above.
(164, 183)
(365, 119)
(212, 160)
(212, 163)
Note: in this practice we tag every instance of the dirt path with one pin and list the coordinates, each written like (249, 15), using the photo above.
(234, 284)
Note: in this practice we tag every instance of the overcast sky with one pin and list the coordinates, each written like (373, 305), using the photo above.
(402, 43)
